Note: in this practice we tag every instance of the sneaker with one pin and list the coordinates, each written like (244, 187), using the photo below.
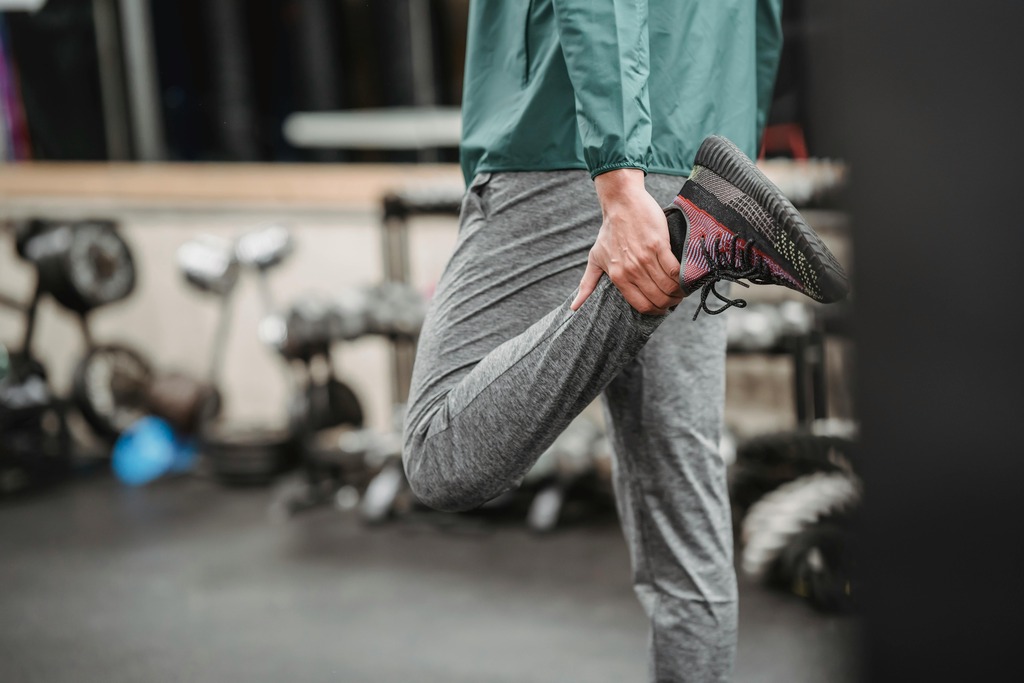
(730, 222)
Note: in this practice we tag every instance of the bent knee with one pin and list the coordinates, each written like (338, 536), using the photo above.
(442, 488)
(441, 494)
(439, 483)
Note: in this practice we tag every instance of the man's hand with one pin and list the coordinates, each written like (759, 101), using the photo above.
(632, 246)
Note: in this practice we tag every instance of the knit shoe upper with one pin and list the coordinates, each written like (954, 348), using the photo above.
(741, 226)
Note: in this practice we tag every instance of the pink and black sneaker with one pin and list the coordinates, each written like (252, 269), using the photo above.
(730, 222)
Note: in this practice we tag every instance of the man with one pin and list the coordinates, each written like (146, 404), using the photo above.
(580, 120)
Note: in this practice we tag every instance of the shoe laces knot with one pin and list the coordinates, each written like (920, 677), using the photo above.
(742, 261)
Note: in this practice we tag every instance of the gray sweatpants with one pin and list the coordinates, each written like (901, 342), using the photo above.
(504, 365)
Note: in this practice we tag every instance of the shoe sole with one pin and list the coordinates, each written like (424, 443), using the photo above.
(725, 159)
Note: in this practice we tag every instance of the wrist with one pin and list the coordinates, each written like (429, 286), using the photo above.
(619, 184)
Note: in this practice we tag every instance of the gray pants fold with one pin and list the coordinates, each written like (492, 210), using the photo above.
(503, 365)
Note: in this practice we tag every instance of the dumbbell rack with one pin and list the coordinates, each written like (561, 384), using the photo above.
(807, 353)
(398, 207)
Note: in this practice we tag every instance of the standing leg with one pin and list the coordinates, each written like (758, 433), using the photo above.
(664, 412)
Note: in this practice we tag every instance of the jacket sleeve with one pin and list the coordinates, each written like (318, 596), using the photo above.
(606, 49)
(769, 50)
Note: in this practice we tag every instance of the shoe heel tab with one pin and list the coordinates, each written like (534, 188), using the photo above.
(678, 230)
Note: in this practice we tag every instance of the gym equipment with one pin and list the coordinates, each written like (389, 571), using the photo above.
(394, 310)
(82, 264)
(564, 470)
(814, 565)
(303, 335)
(763, 463)
(322, 407)
(791, 537)
(238, 455)
(790, 328)
(183, 401)
(793, 495)
(398, 207)
(150, 449)
(791, 508)
(109, 388)
(35, 443)
(85, 265)
(340, 458)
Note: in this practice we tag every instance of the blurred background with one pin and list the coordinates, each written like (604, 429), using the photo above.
(222, 221)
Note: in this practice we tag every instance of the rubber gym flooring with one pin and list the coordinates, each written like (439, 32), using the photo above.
(186, 581)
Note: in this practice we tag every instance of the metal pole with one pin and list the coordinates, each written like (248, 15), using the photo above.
(30, 322)
(423, 68)
(143, 91)
(266, 297)
(395, 250)
(800, 379)
(819, 374)
(220, 339)
(112, 89)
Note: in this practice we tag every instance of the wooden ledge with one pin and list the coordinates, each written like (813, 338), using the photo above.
(311, 185)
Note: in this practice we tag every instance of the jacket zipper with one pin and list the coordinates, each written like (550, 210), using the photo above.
(526, 42)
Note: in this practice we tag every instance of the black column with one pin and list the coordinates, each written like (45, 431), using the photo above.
(925, 106)
(54, 50)
(233, 108)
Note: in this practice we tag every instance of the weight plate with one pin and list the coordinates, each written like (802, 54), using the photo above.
(110, 388)
(241, 456)
(82, 265)
(100, 266)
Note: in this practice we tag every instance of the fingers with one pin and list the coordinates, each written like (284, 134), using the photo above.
(587, 285)
(658, 284)
(640, 300)
(632, 247)
(670, 266)
(646, 298)
(641, 291)
(643, 282)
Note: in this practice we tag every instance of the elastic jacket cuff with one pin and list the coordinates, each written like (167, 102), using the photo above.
(613, 167)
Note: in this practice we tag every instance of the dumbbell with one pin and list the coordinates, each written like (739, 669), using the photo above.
(184, 402)
(302, 331)
(348, 317)
(763, 327)
(25, 394)
(394, 309)
(264, 247)
(209, 264)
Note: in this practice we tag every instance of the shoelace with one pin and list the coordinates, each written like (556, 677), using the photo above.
(751, 268)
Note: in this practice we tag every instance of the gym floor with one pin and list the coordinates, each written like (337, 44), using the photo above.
(187, 581)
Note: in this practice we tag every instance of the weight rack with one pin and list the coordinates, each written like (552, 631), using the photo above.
(398, 207)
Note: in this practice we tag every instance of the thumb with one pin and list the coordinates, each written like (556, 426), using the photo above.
(587, 284)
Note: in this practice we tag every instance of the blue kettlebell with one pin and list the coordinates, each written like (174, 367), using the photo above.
(150, 449)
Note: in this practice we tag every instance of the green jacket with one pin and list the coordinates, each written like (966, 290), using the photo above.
(605, 84)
